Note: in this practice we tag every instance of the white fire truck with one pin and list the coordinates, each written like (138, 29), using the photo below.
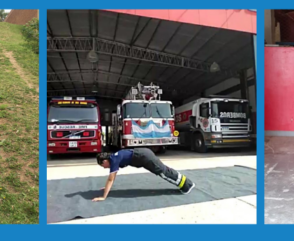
(214, 122)
(144, 120)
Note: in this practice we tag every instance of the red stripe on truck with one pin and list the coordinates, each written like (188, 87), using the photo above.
(183, 116)
(127, 127)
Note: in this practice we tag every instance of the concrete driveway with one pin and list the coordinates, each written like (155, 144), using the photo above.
(279, 180)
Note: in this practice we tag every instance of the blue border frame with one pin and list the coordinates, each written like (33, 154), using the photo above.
(182, 232)
(260, 117)
(43, 116)
(259, 101)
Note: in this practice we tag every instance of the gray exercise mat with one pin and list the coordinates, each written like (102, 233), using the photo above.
(71, 198)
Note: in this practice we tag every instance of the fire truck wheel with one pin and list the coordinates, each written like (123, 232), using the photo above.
(52, 157)
(199, 143)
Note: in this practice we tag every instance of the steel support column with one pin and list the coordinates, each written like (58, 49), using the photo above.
(107, 135)
(243, 85)
(255, 61)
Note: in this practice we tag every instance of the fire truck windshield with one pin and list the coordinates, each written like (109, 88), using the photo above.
(230, 110)
(73, 114)
(136, 110)
(145, 110)
(161, 110)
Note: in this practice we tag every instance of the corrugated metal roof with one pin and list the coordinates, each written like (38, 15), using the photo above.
(114, 75)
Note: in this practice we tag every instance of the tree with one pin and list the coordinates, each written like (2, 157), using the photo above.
(3, 15)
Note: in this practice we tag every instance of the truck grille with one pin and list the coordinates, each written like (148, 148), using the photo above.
(235, 131)
(72, 134)
(155, 141)
(229, 128)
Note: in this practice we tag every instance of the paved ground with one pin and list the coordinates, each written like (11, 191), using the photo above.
(279, 180)
(235, 210)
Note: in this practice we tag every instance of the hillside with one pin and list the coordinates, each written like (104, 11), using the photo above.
(19, 128)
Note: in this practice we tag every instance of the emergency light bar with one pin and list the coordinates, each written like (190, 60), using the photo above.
(73, 98)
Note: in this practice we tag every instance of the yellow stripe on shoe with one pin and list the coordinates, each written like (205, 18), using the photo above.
(182, 181)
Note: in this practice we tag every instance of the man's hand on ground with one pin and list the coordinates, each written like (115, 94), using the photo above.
(97, 199)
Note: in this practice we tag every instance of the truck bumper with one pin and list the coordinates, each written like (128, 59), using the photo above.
(229, 143)
(62, 147)
(150, 142)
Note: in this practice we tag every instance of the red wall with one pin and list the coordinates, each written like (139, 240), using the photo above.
(279, 88)
(239, 20)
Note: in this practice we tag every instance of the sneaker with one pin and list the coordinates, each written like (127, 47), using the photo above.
(188, 191)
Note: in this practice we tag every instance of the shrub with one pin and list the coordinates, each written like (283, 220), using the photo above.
(30, 32)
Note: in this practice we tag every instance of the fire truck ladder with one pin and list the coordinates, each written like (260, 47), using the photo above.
(140, 92)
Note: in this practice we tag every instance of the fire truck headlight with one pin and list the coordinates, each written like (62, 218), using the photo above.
(216, 136)
(51, 144)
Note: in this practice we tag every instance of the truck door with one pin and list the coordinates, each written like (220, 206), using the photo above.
(204, 117)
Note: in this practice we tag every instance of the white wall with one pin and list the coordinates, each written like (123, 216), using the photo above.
(252, 100)
(228, 84)
(222, 86)
(191, 99)
(236, 94)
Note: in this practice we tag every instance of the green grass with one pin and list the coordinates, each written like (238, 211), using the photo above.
(19, 131)
(12, 40)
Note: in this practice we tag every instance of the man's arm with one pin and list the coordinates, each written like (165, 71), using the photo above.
(108, 185)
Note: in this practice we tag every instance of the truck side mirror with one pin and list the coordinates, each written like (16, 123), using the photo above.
(118, 110)
(172, 111)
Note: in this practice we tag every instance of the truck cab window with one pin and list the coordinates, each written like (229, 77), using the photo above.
(204, 110)
(73, 113)
(136, 110)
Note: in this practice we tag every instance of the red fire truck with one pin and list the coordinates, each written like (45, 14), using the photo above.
(144, 120)
(73, 126)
